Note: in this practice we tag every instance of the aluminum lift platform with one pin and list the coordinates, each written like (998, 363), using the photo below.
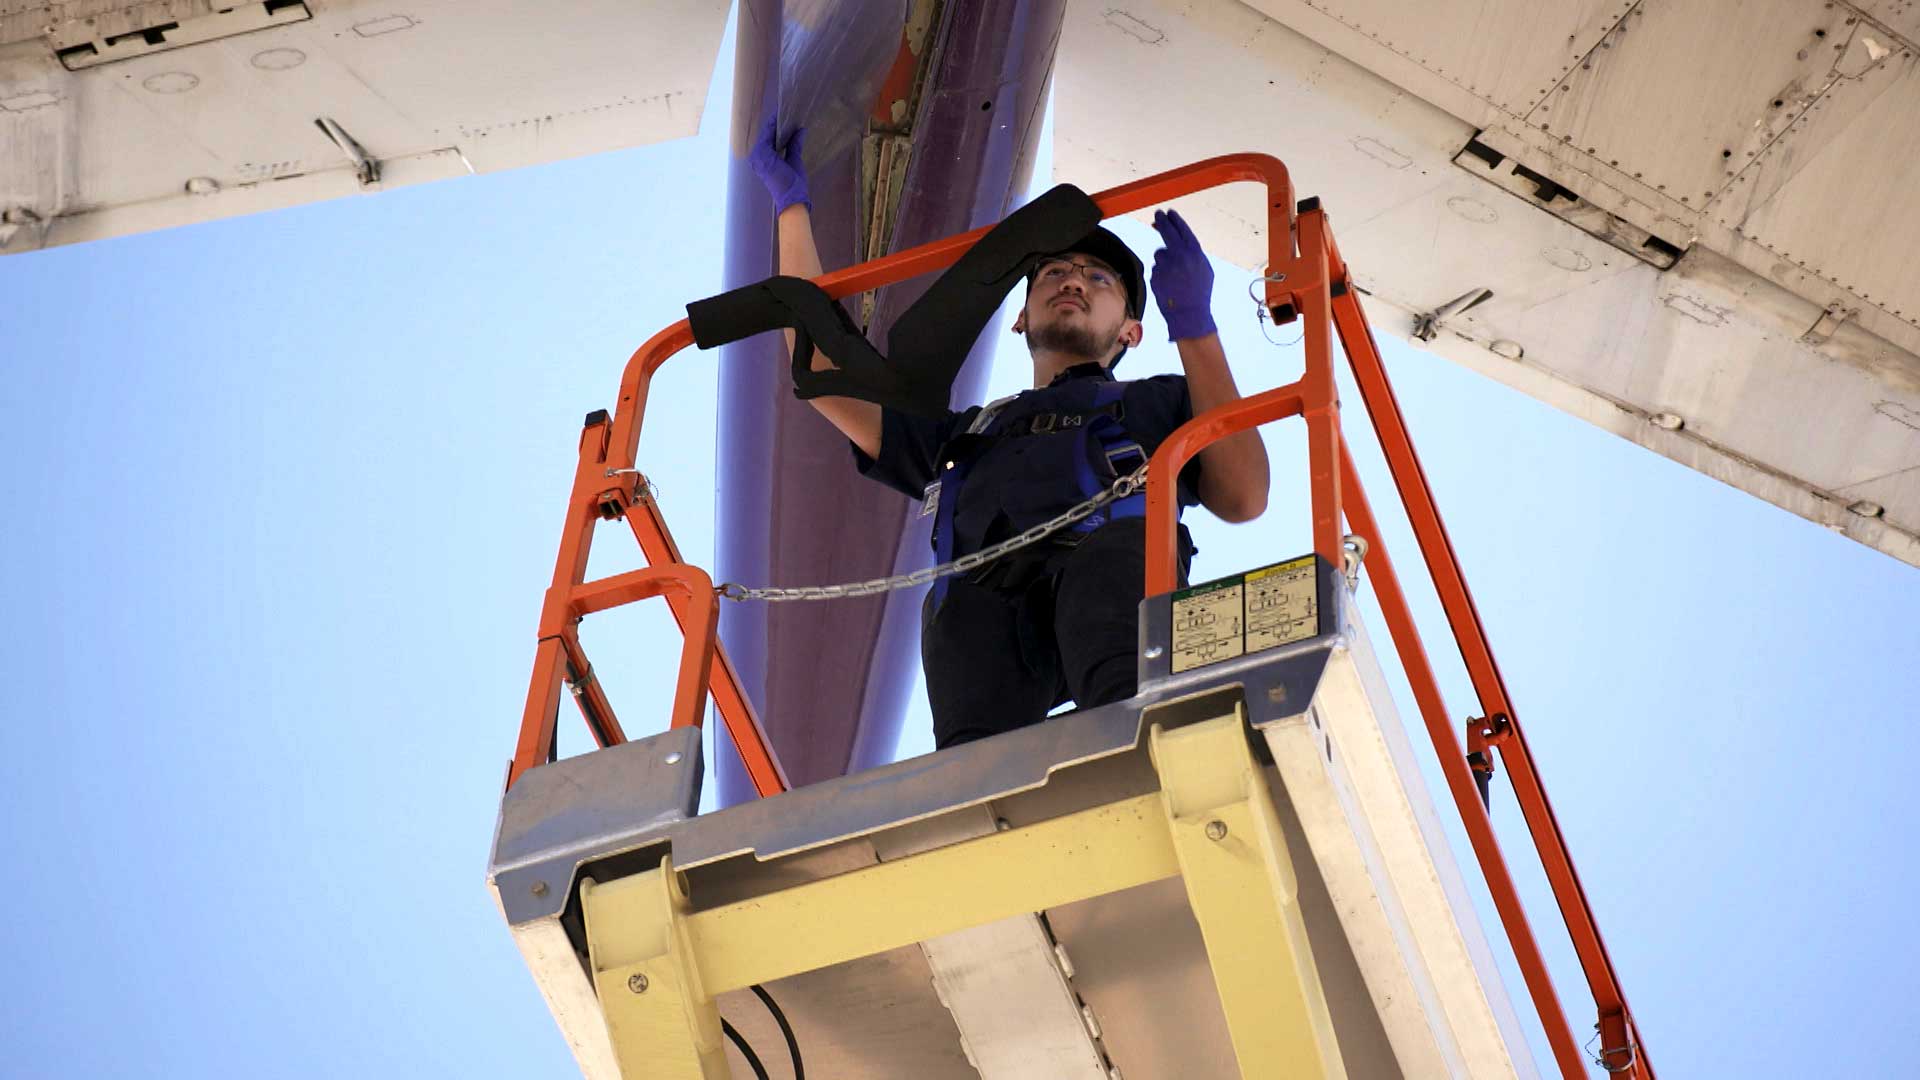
(1237, 873)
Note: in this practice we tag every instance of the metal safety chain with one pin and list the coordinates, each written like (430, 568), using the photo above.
(1122, 488)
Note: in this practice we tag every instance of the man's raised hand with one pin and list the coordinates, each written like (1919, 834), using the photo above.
(1182, 279)
(779, 167)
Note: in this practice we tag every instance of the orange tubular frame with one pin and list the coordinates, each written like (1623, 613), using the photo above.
(1306, 278)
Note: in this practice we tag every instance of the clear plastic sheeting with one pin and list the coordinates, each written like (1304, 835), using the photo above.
(834, 56)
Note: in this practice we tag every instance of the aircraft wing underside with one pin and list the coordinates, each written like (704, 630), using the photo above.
(1693, 216)
(1685, 221)
(119, 117)
(1690, 215)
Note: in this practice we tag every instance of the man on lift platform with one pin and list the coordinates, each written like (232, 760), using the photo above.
(1057, 620)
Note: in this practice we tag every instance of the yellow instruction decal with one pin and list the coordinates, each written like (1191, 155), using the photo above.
(1283, 604)
(1207, 624)
(1247, 613)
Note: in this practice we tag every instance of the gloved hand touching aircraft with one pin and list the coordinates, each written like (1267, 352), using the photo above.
(782, 171)
(779, 167)
(1182, 279)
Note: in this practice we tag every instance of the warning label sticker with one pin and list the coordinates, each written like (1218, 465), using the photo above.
(1258, 610)
(1283, 604)
(1208, 624)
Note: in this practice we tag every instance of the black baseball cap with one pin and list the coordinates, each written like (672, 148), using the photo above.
(1113, 251)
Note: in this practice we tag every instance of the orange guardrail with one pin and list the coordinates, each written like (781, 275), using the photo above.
(1305, 279)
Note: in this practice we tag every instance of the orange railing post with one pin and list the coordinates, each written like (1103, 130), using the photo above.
(702, 619)
(1312, 298)
(1620, 1048)
(729, 698)
(1181, 447)
(1316, 284)
(602, 489)
(554, 661)
(1453, 765)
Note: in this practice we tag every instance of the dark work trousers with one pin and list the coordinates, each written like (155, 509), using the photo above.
(999, 659)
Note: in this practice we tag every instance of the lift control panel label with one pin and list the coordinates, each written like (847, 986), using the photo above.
(1247, 613)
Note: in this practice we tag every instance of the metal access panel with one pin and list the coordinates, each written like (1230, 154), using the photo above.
(1238, 867)
(119, 117)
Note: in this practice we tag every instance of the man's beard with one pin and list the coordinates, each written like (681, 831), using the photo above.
(1074, 339)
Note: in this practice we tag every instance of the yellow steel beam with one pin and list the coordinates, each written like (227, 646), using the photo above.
(640, 926)
(1241, 886)
(871, 910)
(657, 965)
(662, 1021)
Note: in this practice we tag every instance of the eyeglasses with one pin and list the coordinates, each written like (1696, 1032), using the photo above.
(1055, 272)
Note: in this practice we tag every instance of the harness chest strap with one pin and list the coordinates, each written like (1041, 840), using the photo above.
(1102, 421)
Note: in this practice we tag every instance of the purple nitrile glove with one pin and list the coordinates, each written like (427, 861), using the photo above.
(779, 167)
(1182, 279)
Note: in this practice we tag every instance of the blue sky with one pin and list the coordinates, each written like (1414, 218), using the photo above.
(283, 493)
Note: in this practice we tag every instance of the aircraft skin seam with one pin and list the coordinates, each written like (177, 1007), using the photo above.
(1800, 121)
(1832, 496)
(1876, 479)
(1739, 229)
(1627, 10)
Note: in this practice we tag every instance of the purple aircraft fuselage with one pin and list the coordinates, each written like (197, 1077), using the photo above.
(831, 679)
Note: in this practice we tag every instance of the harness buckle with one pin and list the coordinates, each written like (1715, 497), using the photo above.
(1119, 451)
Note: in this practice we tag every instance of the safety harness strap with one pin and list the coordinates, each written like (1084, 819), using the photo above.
(933, 336)
(1100, 433)
(782, 302)
(929, 341)
(1123, 454)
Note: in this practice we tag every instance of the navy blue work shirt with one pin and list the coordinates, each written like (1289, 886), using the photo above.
(910, 445)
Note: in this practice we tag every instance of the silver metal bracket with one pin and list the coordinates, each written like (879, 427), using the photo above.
(1427, 327)
(365, 166)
